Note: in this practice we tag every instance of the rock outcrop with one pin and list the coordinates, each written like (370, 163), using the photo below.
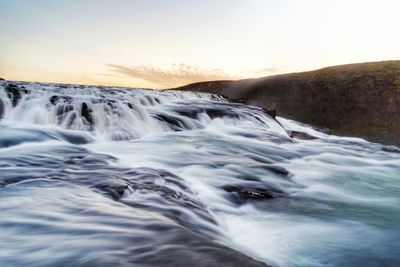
(360, 100)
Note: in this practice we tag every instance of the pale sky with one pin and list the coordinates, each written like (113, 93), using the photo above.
(166, 43)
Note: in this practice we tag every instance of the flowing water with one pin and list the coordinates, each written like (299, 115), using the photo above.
(95, 176)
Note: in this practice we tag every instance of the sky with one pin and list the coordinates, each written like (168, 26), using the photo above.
(168, 43)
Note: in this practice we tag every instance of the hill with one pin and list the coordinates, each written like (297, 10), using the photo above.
(360, 100)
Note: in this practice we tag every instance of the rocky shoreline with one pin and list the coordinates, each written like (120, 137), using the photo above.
(361, 100)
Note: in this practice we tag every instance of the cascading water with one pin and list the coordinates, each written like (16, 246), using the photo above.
(95, 176)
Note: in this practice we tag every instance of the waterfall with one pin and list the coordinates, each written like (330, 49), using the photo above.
(100, 176)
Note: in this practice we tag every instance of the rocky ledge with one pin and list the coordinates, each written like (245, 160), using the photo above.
(360, 100)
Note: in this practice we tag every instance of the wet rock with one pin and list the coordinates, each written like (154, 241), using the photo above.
(64, 108)
(215, 113)
(212, 111)
(391, 149)
(2, 108)
(15, 93)
(216, 97)
(116, 191)
(219, 113)
(60, 98)
(241, 193)
(86, 112)
(271, 112)
(173, 122)
(302, 135)
(190, 113)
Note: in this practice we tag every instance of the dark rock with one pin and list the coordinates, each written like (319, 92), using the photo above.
(60, 98)
(302, 135)
(241, 193)
(174, 122)
(190, 113)
(391, 149)
(219, 113)
(110, 104)
(271, 112)
(2, 108)
(86, 112)
(15, 93)
(64, 108)
(216, 97)
(116, 191)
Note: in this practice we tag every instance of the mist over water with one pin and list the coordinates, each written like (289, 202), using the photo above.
(93, 176)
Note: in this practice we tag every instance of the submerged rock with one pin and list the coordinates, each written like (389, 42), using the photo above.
(302, 135)
(219, 113)
(276, 169)
(392, 149)
(241, 194)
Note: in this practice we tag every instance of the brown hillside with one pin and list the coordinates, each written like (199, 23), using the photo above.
(357, 99)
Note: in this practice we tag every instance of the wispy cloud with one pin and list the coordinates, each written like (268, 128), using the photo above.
(176, 75)
(267, 71)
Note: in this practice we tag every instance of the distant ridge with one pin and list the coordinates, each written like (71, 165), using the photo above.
(360, 100)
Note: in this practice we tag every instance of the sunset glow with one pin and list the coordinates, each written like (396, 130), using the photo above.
(162, 44)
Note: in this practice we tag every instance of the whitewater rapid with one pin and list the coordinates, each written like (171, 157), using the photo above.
(101, 176)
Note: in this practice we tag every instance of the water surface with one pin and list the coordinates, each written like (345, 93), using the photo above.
(93, 176)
